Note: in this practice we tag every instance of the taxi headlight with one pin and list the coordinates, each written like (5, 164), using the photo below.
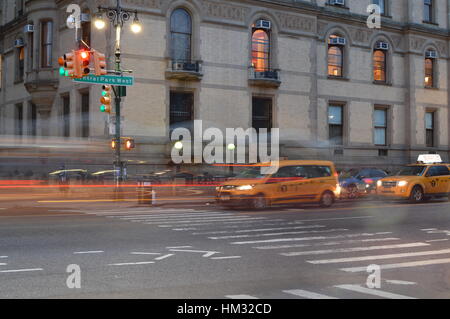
(402, 183)
(379, 183)
(245, 188)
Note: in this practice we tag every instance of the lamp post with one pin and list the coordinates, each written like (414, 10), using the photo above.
(117, 16)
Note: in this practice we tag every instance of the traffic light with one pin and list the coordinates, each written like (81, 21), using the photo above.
(129, 144)
(106, 99)
(114, 144)
(69, 63)
(99, 63)
(83, 60)
(62, 62)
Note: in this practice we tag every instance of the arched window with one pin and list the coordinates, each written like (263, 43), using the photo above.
(430, 61)
(380, 62)
(336, 56)
(260, 50)
(181, 35)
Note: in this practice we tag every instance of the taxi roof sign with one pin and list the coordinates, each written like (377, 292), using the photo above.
(429, 158)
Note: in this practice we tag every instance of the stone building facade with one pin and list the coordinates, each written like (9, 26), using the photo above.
(336, 89)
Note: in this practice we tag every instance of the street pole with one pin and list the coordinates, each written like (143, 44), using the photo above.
(118, 101)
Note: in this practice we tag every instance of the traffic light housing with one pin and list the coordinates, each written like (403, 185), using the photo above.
(130, 144)
(106, 99)
(99, 63)
(84, 58)
(114, 144)
(70, 65)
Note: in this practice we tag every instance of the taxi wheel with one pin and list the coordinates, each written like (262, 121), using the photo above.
(327, 200)
(352, 192)
(260, 202)
(417, 195)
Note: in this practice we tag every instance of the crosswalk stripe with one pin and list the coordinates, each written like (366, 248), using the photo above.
(241, 222)
(374, 292)
(240, 297)
(175, 216)
(307, 294)
(307, 238)
(280, 234)
(332, 243)
(185, 218)
(402, 265)
(379, 257)
(256, 230)
(187, 221)
(354, 249)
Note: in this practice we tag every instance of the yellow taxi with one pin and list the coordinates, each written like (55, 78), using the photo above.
(294, 182)
(428, 178)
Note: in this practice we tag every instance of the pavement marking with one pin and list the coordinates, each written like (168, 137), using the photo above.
(212, 223)
(341, 218)
(179, 247)
(3, 257)
(241, 219)
(374, 292)
(21, 270)
(3, 264)
(88, 252)
(179, 229)
(256, 230)
(401, 282)
(125, 213)
(307, 238)
(335, 243)
(379, 257)
(244, 297)
(428, 229)
(402, 265)
(229, 257)
(307, 294)
(133, 264)
(176, 216)
(207, 254)
(354, 249)
(436, 240)
(281, 234)
(143, 253)
(164, 257)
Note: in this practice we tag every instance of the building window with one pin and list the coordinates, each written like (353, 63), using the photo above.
(30, 51)
(20, 66)
(260, 50)
(336, 124)
(86, 34)
(85, 116)
(382, 5)
(380, 127)
(1, 69)
(19, 120)
(181, 35)
(429, 125)
(429, 72)
(33, 115)
(181, 110)
(428, 15)
(19, 7)
(46, 44)
(262, 114)
(336, 56)
(66, 115)
(379, 66)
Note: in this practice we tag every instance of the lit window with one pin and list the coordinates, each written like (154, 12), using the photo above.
(379, 65)
(429, 72)
(260, 50)
(335, 56)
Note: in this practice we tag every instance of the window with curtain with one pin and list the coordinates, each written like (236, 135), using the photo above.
(260, 50)
(181, 35)
(379, 65)
(336, 124)
(46, 44)
(380, 126)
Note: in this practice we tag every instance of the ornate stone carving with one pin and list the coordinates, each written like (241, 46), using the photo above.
(321, 27)
(442, 47)
(225, 11)
(153, 4)
(296, 22)
(416, 44)
(360, 35)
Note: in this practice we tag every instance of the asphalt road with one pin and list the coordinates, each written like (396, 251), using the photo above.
(126, 251)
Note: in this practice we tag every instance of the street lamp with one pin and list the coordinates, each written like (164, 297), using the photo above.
(231, 148)
(117, 16)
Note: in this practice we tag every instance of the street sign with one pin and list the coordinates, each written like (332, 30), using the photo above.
(107, 79)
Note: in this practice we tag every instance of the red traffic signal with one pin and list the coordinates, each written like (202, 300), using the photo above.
(129, 144)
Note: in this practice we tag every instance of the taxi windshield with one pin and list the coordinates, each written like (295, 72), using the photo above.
(412, 171)
(254, 172)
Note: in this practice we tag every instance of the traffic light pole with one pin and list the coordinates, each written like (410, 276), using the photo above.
(118, 101)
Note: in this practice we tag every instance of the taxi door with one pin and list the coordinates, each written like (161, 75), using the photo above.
(287, 185)
(437, 180)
